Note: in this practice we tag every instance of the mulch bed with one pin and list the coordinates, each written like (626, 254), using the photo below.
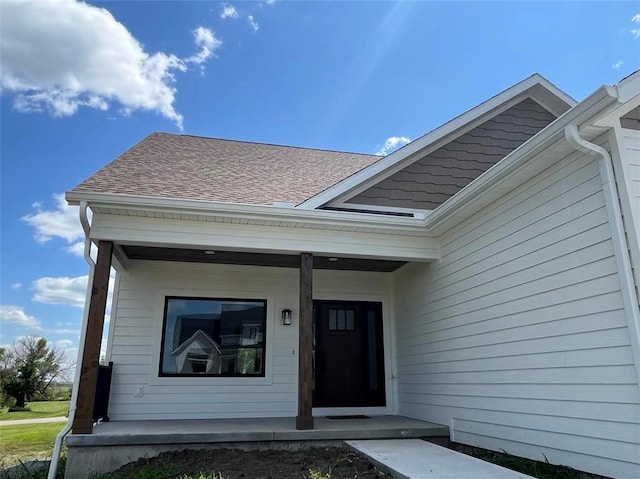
(261, 464)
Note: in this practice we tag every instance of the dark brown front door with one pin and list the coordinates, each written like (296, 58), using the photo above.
(349, 361)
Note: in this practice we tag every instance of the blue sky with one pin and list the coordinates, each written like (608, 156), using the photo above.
(82, 82)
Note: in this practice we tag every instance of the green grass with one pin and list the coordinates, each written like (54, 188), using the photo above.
(27, 441)
(538, 469)
(31, 471)
(38, 410)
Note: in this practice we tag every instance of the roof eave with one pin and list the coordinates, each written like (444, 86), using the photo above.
(247, 211)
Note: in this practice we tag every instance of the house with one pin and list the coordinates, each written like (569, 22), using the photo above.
(199, 354)
(484, 277)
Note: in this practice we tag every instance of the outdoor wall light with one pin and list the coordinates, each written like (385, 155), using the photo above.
(287, 316)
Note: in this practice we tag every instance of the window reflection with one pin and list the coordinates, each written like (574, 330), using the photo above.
(214, 337)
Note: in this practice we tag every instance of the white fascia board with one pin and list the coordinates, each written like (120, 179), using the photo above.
(628, 92)
(612, 119)
(628, 87)
(405, 153)
(248, 211)
(460, 206)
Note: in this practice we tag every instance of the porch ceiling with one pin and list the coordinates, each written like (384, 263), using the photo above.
(257, 259)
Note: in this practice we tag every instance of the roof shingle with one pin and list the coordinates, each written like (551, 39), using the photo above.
(189, 167)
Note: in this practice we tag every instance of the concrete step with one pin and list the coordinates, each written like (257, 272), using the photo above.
(417, 459)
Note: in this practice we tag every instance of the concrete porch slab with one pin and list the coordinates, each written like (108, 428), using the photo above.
(116, 443)
(128, 433)
(416, 459)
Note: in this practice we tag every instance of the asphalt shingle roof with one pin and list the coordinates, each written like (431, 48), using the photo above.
(189, 167)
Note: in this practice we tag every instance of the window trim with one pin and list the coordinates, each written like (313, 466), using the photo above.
(265, 320)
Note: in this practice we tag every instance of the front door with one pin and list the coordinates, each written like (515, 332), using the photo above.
(348, 354)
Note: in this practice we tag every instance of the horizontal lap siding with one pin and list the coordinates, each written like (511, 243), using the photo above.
(135, 342)
(517, 338)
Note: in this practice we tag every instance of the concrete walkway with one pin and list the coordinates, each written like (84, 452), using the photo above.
(42, 420)
(417, 459)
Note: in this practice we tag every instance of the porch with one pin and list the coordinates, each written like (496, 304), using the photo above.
(271, 268)
(116, 443)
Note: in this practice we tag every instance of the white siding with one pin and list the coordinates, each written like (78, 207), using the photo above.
(137, 329)
(517, 338)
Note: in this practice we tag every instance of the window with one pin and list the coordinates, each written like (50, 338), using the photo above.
(341, 319)
(213, 337)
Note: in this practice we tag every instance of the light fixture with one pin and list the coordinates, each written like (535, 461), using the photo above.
(209, 252)
(287, 317)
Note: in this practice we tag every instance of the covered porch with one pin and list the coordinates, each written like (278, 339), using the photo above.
(284, 258)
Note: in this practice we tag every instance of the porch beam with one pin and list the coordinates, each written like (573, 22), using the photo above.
(304, 420)
(83, 420)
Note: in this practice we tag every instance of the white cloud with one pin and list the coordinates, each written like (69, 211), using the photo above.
(67, 324)
(16, 286)
(66, 328)
(63, 330)
(60, 290)
(76, 249)
(207, 42)
(228, 11)
(71, 355)
(66, 291)
(392, 143)
(16, 315)
(62, 222)
(635, 32)
(63, 343)
(270, 2)
(617, 65)
(60, 55)
(253, 23)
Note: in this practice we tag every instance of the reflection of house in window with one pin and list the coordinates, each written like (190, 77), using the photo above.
(251, 334)
(228, 340)
(198, 354)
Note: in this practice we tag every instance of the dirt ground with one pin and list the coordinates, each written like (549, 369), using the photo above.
(261, 464)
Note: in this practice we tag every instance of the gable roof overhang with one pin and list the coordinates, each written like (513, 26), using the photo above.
(537, 154)
(535, 87)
